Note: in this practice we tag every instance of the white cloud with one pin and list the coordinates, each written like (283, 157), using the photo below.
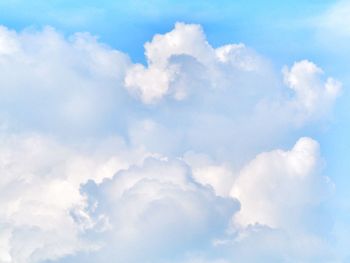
(164, 208)
(39, 189)
(313, 96)
(207, 172)
(170, 57)
(213, 110)
(279, 188)
(159, 209)
(75, 87)
(49, 82)
(229, 92)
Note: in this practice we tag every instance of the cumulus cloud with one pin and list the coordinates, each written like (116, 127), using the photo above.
(159, 210)
(182, 60)
(189, 173)
(313, 97)
(278, 187)
(166, 211)
(219, 176)
(49, 82)
(163, 208)
(40, 194)
(78, 87)
(189, 87)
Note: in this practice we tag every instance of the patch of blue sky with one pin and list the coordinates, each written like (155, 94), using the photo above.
(270, 27)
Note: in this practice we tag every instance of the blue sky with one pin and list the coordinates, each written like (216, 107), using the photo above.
(259, 24)
(174, 131)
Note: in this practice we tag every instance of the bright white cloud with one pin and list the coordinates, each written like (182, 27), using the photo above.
(230, 92)
(158, 209)
(313, 96)
(218, 176)
(277, 188)
(168, 187)
(40, 193)
(182, 60)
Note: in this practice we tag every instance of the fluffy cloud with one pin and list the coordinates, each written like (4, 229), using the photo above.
(277, 188)
(158, 209)
(313, 97)
(230, 92)
(163, 208)
(170, 212)
(207, 172)
(59, 85)
(182, 61)
(191, 176)
(40, 193)
(77, 87)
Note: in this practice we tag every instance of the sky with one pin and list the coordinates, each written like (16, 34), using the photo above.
(174, 131)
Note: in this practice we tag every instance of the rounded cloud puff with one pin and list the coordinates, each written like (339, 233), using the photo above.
(158, 209)
(171, 55)
(277, 187)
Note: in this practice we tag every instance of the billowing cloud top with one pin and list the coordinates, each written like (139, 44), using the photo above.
(105, 160)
